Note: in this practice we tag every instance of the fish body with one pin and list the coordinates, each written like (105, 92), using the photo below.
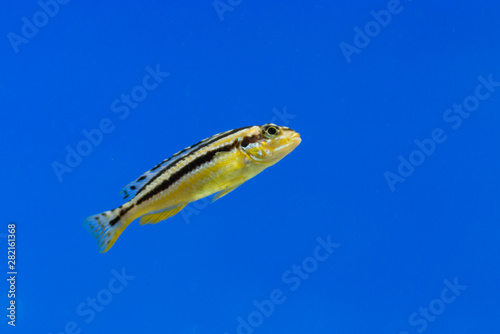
(216, 165)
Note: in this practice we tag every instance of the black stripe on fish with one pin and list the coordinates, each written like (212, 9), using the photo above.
(113, 221)
(133, 187)
(122, 212)
(251, 139)
(199, 161)
(136, 187)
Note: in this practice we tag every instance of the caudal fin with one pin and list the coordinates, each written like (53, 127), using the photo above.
(106, 227)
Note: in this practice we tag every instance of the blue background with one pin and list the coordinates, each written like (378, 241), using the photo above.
(198, 275)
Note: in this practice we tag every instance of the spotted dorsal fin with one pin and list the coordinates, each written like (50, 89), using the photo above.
(134, 186)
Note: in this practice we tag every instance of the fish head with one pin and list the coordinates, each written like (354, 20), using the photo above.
(269, 143)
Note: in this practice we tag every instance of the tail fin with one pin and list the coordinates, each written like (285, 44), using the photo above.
(106, 228)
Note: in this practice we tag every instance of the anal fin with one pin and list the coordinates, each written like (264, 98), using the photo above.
(158, 216)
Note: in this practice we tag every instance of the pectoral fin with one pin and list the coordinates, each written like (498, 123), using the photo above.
(226, 191)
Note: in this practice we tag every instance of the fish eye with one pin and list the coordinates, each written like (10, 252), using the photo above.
(270, 131)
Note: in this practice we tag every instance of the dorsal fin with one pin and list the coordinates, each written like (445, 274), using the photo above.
(133, 187)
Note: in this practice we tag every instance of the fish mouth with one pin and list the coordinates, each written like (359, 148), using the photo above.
(295, 138)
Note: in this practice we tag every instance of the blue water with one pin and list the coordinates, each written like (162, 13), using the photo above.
(384, 220)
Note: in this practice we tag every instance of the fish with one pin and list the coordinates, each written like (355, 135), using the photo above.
(215, 166)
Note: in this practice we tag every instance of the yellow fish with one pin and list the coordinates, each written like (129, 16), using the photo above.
(216, 165)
